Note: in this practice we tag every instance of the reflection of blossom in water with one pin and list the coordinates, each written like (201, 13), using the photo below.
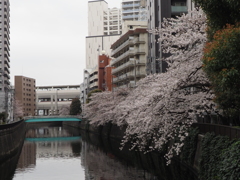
(104, 166)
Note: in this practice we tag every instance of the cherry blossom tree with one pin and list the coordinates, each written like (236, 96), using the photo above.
(163, 106)
(17, 110)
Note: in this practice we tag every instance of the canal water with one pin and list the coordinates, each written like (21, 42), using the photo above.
(63, 153)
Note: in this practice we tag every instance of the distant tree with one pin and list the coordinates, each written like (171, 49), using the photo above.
(64, 110)
(75, 107)
(17, 110)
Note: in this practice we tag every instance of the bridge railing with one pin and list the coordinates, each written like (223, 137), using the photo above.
(47, 117)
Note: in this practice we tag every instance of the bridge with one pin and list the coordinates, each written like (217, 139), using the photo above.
(30, 119)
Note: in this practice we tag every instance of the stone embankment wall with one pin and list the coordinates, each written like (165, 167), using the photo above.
(11, 139)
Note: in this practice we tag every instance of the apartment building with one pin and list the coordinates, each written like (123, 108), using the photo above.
(157, 10)
(134, 10)
(4, 55)
(129, 53)
(25, 93)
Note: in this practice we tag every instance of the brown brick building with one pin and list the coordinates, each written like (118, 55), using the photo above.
(25, 92)
(104, 73)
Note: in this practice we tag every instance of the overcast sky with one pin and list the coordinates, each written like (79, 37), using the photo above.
(47, 40)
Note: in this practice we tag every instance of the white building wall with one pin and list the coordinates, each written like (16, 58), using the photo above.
(95, 17)
(95, 45)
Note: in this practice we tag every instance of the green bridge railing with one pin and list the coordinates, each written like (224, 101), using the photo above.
(51, 118)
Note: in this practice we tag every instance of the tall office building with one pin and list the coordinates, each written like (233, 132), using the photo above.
(4, 55)
(157, 10)
(25, 93)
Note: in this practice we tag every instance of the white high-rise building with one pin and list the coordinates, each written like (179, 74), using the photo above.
(112, 21)
(104, 28)
(134, 10)
(103, 20)
(4, 55)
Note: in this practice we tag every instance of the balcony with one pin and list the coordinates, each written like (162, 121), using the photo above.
(124, 17)
(93, 77)
(129, 76)
(120, 78)
(6, 69)
(6, 46)
(124, 66)
(128, 42)
(6, 81)
(139, 40)
(6, 59)
(6, 75)
(140, 51)
(6, 52)
(139, 74)
(130, 5)
(130, 52)
(6, 64)
(94, 84)
(130, 11)
(179, 9)
(123, 86)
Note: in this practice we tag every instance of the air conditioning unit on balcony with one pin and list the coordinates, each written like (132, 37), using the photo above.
(132, 84)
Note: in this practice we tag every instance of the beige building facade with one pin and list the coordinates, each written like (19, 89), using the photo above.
(51, 99)
(130, 54)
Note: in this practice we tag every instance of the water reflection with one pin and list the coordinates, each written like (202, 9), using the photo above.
(101, 165)
(103, 160)
(50, 153)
